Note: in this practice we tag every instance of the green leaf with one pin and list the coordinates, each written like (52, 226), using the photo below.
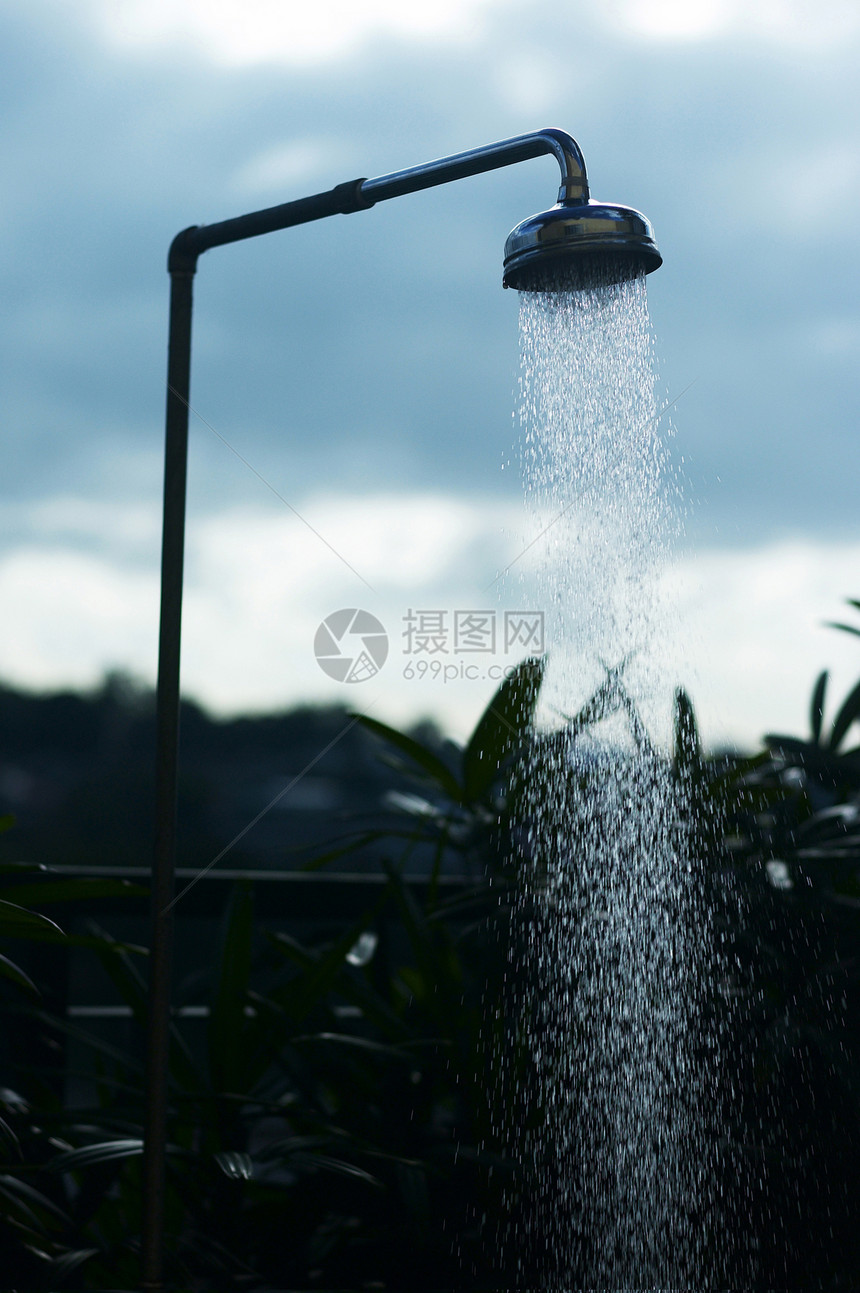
(429, 762)
(781, 743)
(849, 712)
(106, 1151)
(134, 990)
(227, 1056)
(353, 843)
(816, 709)
(20, 1190)
(71, 1261)
(27, 1197)
(843, 628)
(20, 922)
(436, 978)
(609, 698)
(9, 970)
(8, 1137)
(503, 728)
(237, 1166)
(6, 821)
(321, 970)
(688, 747)
(13, 1103)
(353, 985)
(123, 973)
(122, 1058)
(76, 890)
(359, 1043)
(325, 1163)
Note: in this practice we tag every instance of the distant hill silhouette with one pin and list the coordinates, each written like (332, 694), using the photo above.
(77, 770)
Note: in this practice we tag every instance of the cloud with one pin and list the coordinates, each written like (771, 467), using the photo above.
(84, 584)
(673, 19)
(384, 336)
(741, 628)
(239, 33)
(836, 337)
(75, 616)
(791, 23)
(754, 636)
(236, 34)
(295, 162)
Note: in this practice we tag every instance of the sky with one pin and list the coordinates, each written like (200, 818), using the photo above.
(354, 380)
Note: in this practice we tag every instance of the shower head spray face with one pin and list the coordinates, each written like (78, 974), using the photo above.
(577, 244)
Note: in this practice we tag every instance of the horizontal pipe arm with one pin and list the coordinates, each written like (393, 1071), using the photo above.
(190, 243)
(359, 195)
(490, 157)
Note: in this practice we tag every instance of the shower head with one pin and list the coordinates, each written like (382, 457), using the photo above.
(578, 243)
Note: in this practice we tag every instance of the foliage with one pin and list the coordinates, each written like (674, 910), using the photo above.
(36, 1222)
(332, 1120)
(781, 833)
(333, 1117)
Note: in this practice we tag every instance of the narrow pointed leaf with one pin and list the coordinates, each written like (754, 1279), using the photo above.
(353, 986)
(358, 1043)
(79, 890)
(605, 702)
(29, 1197)
(227, 1056)
(789, 744)
(425, 759)
(8, 1137)
(816, 709)
(19, 922)
(437, 977)
(321, 970)
(503, 727)
(134, 990)
(237, 1166)
(688, 748)
(847, 715)
(843, 628)
(124, 974)
(325, 1163)
(337, 851)
(9, 970)
(106, 1151)
(122, 1058)
(71, 1261)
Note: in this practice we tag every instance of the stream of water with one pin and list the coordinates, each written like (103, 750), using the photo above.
(617, 936)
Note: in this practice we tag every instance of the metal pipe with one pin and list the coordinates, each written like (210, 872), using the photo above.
(187, 246)
(166, 773)
(490, 157)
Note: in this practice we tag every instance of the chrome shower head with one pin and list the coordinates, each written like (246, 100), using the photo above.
(578, 243)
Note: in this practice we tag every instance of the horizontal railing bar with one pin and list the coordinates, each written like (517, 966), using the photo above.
(259, 876)
(289, 895)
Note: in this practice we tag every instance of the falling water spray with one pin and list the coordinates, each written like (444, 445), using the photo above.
(614, 938)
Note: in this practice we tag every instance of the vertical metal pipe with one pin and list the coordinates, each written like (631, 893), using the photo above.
(167, 753)
(355, 195)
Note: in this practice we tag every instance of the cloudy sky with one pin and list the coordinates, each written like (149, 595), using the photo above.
(355, 379)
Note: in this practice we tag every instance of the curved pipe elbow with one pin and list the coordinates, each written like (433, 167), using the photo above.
(184, 252)
(568, 154)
